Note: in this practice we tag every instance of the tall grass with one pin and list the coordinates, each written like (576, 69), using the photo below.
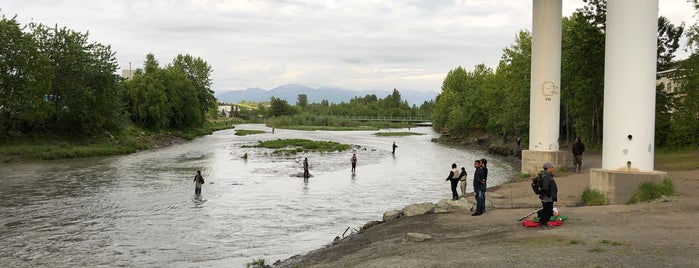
(650, 191)
(593, 197)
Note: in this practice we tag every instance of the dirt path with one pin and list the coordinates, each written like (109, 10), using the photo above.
(657, 234)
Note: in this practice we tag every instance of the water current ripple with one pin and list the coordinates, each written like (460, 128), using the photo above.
(139, 210)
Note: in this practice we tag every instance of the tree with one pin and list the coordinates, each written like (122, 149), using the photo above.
(85, 87)
(198, 72)
(24, 81)
(668, 42)
(279, 107)
(459, 107)
(511, 83)
(582, 80)
(164, 98)
(302, 100)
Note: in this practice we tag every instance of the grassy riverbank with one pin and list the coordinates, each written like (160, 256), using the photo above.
(128, 140)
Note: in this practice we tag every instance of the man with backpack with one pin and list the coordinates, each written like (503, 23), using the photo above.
(548, 194)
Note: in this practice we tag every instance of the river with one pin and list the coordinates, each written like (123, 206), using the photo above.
(139, 210)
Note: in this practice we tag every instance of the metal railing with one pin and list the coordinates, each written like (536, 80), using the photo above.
(384, 118)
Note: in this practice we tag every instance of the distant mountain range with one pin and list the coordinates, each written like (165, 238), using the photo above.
(291, 92)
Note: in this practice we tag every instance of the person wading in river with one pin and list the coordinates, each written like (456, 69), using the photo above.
(199, 181)
(354, 162)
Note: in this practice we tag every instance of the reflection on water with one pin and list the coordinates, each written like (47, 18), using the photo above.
(141, 210)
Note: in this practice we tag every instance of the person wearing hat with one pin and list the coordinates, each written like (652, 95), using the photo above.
(549, 194)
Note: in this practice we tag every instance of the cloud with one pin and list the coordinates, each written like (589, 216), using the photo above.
(363, 44)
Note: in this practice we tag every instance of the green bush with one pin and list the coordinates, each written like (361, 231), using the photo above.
(259, 263)
(593, 197)
(651, 191)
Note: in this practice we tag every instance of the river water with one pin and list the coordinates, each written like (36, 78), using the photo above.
(140, 209)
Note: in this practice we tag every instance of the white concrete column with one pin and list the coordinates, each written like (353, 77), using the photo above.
(629, 85)
(545, 98)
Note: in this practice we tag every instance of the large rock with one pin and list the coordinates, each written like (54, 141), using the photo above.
(448, 205)
(371, 224)
(392, 215)
(417, 237)
(418, 209)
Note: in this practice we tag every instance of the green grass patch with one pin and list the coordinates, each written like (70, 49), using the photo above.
(577, 242)
(396, 134)
(259, 263)
(650, 191)
(677, 160)
(613, 243)
(294, 146)
(596, 250)
(593, 197)
(244, 132)
(128, 140)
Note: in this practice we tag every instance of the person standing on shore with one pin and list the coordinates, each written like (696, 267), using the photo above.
(354, 162)
(462, 179)
(477, 174)
(198, 182)
(394, 148)
(578, 150)
(479, 186)
(454, 179)
(549, 194)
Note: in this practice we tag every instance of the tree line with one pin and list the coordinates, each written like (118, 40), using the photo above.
(55, 81)
(369, 105)
(497, 101)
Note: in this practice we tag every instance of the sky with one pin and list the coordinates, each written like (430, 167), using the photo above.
(353, 44)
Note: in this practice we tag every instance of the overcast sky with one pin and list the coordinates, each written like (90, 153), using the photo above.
(353, 44)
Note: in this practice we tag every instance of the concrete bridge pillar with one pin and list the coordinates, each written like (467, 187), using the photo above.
(628, 146)
(545, 98)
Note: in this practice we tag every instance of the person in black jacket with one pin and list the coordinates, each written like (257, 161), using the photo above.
(549, 194)
(578, 150)
(198, 182)
(480, 178)
(454, 179)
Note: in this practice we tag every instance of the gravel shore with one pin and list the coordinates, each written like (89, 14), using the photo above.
(661, 233)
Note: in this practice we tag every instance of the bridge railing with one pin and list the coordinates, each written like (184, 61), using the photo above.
(384, 118)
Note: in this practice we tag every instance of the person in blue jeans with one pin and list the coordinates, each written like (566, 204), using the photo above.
(480, 177)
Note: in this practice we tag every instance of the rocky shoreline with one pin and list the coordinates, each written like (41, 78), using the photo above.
(655, 234)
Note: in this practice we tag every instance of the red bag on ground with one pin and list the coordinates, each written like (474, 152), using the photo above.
(530, 223)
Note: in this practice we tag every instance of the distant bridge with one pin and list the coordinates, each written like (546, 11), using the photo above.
(418, 120)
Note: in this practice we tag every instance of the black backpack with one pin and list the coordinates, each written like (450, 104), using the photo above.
(536, 184)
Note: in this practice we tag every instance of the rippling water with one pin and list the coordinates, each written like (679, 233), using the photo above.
(140, 209)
